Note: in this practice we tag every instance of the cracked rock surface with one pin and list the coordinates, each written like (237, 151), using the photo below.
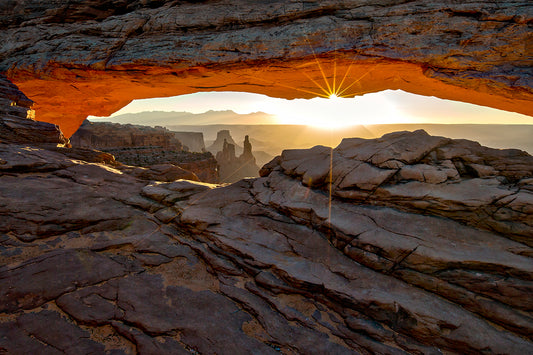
(409, 244)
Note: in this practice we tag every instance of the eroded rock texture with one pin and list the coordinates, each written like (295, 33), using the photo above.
(17, 122)
(95, 260)
(75, 58)
(232, 168)
(155, 148)
(106, 135)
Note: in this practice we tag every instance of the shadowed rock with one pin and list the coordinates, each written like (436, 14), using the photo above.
(157, 149)
(416, 172)
(99, 259)
(17, 124)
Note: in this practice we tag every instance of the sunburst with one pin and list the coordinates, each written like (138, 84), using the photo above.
(333, 89)
(333, 86)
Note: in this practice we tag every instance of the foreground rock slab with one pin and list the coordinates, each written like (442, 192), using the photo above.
(331, 251)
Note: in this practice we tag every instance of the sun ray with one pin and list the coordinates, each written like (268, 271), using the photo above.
(326, 93)
(237, 170)
(334, 92)
(330, 184)
(319, 66)
(358, 80)
(344, 77)
(286, 86)
(338, 85)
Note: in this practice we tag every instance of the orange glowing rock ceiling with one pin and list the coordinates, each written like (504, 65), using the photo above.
(92, 58)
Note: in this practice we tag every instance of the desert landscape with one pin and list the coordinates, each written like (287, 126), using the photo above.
(183, 233)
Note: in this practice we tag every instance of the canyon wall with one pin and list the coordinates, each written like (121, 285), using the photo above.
(193, 141)
(17, 122)
(77, 58)
(146, 147)
(103, 135)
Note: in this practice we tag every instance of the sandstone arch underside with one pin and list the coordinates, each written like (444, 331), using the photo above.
(77, 58)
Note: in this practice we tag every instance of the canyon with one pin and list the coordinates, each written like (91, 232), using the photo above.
(160, 149)
(408, 243)
(233, 168)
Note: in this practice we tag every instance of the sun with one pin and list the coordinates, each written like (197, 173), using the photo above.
(333, 105)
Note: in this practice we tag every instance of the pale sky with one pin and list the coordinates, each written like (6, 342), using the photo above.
(390, 106)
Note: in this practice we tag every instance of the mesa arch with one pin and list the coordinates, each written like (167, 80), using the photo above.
(84, 58)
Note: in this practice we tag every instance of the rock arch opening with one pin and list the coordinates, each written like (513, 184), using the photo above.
(302, 123)
(68, 95)
(76, 58)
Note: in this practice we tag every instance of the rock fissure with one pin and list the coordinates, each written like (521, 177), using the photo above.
(483, 312)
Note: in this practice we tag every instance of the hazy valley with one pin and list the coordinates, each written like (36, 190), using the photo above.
(273, 138)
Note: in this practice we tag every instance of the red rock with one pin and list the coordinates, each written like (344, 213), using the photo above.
(92, 59)
(154, 148)
(166, 172)
(17, 124)
(421, 173)
(206, 169)
(47, 332)
(148, 345)
(114, 136)
(52, 275)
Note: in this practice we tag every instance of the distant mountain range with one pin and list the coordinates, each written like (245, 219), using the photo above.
(164, 118)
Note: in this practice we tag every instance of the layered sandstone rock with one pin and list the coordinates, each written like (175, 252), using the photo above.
(160, 172)
(192, 141)
(96, 260)
(78, 58)
(205, 168)
(232, 168)
(105, 135)
(17, 122)
(155, 148)
(415, 172)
